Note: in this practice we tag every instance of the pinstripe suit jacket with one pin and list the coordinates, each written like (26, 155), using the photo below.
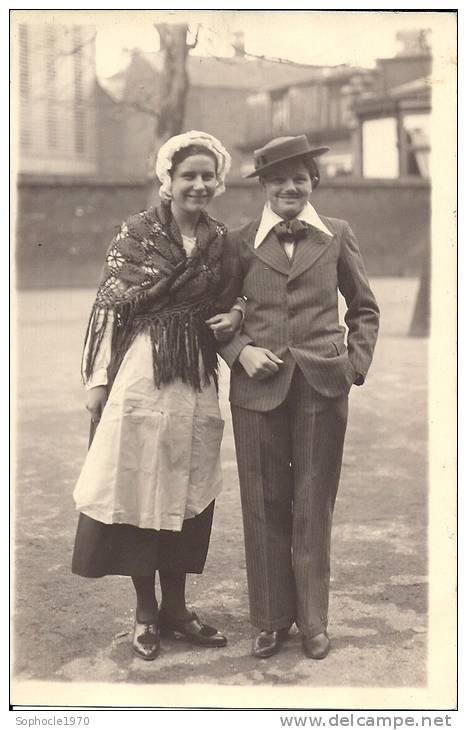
(292, 309)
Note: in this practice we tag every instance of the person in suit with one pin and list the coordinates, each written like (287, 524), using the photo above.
(291, 372)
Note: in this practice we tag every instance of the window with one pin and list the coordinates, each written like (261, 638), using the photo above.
(24, 88)
(280, 113)
(334, 107)
(337, 165)
(50, 78)
(80, 114)
(380, 148)
(417, 143)
(24, 80)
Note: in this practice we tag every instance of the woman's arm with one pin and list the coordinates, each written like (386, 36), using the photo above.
(96, 382)
(231, 283)
(98, 375)
(230, 304)
(226, 324)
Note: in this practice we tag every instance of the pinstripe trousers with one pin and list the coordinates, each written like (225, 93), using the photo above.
(289, 461)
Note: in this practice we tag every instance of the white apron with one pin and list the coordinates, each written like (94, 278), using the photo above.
(154, 460)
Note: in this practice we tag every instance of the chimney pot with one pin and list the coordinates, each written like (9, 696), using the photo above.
(239, 43)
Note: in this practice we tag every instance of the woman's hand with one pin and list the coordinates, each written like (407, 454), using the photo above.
(95, 402)
(225, 325)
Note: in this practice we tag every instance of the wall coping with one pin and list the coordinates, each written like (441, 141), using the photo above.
(52, 181)
(350, 182)
(237, 182)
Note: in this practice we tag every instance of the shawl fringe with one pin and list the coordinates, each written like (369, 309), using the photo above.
(182, 344)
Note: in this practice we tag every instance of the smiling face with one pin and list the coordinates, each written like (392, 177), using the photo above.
(287, 187)
(193, 183)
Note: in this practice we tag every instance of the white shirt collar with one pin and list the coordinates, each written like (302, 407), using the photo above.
(269, 219)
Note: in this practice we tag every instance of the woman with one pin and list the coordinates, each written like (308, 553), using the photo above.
(146, 492)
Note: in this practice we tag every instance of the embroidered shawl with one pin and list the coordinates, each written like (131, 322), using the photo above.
(150, 284)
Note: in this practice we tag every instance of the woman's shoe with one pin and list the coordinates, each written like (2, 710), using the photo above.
(146, 640)
(192, 629)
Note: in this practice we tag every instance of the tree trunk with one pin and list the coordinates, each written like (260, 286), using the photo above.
(173, 90)
(175, 82)
(420, 325)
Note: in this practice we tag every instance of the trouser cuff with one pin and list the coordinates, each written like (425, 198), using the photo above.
(273, 625)
(311, 631)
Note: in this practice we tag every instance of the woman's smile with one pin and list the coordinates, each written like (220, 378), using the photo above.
(193, 183)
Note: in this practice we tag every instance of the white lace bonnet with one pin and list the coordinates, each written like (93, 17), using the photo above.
(203, 139)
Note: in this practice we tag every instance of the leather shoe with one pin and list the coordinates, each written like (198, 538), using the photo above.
(192, 629)
(146, 640)
(267, 643)
(316, 647)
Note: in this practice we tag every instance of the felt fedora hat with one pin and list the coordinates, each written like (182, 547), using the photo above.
(282, 149)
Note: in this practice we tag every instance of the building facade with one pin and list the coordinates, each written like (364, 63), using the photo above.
(394, 120)
(375, 122)
(218, 102)
(320, 106)
(87, 147)
(55, 87)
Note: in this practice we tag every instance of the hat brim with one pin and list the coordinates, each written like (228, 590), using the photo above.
(311, 153)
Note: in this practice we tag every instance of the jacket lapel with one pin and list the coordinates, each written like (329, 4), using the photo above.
(270, 251)
(308, 250)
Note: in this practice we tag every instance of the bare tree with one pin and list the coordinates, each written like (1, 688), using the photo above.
(420, 324)
(175, 80)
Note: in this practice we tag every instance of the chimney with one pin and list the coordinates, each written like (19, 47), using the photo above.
(414, 42)
(239, 44)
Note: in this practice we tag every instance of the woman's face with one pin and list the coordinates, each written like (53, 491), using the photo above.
(193, 183)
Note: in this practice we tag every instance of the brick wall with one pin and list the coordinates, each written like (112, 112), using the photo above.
(63, 229)
(391, 218)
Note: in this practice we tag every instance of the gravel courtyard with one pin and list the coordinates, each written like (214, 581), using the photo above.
(69, 629)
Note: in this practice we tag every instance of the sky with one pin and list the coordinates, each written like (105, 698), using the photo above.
(321, 37)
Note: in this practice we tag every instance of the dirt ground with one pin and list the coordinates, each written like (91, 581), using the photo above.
(69, 629)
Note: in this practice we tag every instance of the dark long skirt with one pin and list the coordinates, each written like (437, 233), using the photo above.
(102, 549)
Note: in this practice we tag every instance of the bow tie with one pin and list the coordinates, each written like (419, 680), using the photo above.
(290, 231)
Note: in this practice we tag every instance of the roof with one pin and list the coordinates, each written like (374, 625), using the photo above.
(236, 72)
(245, 73)
(325, 74)
(416, 87)
(416, 92)
(406, 57)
